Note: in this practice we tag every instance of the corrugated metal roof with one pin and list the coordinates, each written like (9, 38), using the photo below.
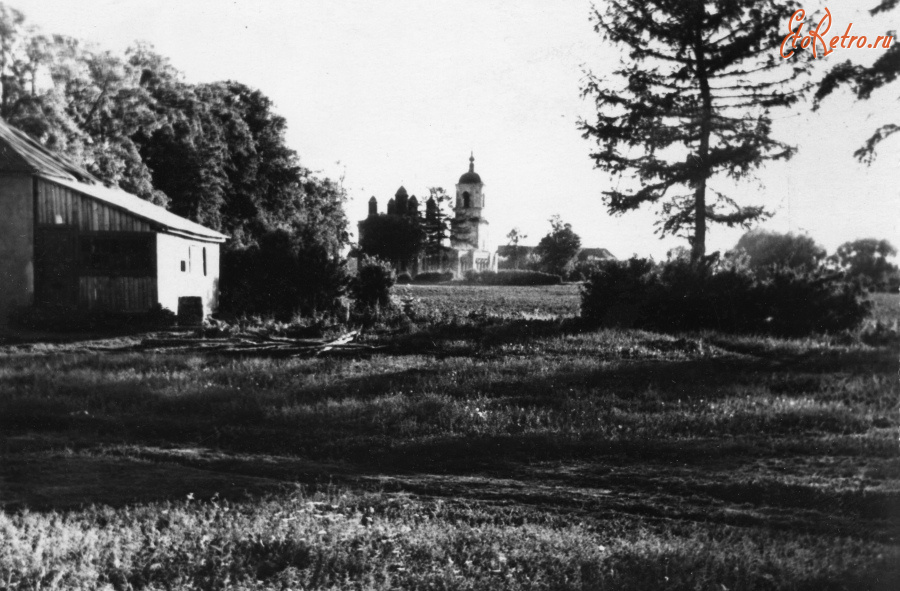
(20, 153)
(142, 209)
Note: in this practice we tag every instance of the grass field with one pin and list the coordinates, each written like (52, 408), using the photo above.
(508, 302)
(499, 448)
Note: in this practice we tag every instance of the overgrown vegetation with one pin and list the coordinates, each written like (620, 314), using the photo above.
(434, 277)
(678, 295)
(285, 274)
(371, 287)
(505, 277)
(504, 451)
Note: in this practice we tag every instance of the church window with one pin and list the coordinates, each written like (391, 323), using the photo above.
(466, 200)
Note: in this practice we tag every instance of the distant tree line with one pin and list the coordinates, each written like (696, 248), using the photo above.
(214, 153)
(868, 261)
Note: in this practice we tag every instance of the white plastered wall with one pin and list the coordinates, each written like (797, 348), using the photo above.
(174, 253)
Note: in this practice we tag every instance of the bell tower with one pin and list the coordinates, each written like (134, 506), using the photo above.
(469, 228)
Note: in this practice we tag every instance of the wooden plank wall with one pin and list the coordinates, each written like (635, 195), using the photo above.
(118, 294)
(86, 213)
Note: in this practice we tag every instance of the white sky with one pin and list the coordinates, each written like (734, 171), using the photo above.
(398, 92)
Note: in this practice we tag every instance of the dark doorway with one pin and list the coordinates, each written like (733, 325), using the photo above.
(56, 267)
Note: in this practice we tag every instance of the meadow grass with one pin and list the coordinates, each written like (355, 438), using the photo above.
(493, 444)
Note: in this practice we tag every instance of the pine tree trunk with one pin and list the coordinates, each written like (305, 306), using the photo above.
(698, 244)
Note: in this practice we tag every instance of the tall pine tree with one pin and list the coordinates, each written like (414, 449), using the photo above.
(689, 103)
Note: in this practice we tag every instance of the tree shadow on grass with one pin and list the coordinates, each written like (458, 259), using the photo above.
(57, 482)
(693, 478)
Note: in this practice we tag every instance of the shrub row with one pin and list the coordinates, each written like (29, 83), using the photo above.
(676, 296)
(516, 278)
(433, 277)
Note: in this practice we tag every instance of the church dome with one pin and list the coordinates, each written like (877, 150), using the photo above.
(471, 177)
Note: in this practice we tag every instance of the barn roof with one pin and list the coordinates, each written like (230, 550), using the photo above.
(143, 209)
(596, 253)
(20, 153)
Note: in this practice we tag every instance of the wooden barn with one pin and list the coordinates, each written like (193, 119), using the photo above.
(68, 241)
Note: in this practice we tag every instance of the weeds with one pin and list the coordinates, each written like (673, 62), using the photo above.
(482, 449)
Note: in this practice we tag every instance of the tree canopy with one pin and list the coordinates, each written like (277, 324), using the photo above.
(515, 253)
(558, 248)
(690, 103)
(398, 239)
(867, 260)
(436, 223)
(766, 249)
(214, 153)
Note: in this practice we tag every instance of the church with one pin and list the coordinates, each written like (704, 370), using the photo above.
(470, 246)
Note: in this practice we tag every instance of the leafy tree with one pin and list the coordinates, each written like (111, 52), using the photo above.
(767, 249)
(514, 237)
(867, 260)
(863, 81)
(371, 288)
(214, 153)
(395, 238)
(558, 249)
(436, 223)
(283, 274)
(691, 104)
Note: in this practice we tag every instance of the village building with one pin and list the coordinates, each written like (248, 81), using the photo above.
(470, 248)
(67, 241)
(515, 257)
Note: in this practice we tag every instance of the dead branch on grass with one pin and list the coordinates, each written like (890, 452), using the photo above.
(269, 346)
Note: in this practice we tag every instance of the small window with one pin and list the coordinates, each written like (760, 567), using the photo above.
(466, 200)
(204, 261)
(183, 266)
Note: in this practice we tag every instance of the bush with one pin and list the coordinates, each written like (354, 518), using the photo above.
(434, 277)
(677, 296)
(284, 275)
(404, 279)
(581, 270)
(613, 294)
(516, 278)
(796, 303)
(371, 288)
(160, 317)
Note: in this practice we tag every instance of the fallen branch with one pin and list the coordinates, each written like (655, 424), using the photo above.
(265, 345)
